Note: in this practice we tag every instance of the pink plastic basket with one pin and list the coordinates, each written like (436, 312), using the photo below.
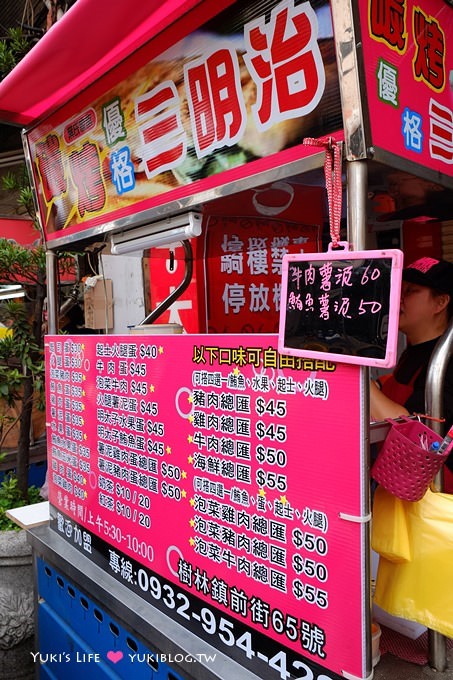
(403, 467)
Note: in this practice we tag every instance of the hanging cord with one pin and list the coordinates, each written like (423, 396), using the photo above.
(332, 172)
(106, 297)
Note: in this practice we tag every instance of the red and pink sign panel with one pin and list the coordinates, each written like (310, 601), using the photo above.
(187, 113)
(408, 79)
(207, 471)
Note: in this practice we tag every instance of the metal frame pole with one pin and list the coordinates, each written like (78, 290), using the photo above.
(356, 196)
(356, 154)
(52, 292)
(435, 379)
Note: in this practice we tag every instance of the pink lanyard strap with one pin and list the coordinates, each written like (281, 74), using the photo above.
(332, 172)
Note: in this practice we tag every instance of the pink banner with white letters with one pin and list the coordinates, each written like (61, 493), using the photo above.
(221, 481)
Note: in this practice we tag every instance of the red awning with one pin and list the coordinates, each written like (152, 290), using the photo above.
(89, 40)
(19, 229)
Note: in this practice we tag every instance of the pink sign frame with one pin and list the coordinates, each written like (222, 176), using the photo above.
(311, 295)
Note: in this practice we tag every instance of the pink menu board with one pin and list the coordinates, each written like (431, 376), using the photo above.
(221, 481)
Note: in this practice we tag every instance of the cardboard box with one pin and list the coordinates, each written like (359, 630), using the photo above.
(98, 304)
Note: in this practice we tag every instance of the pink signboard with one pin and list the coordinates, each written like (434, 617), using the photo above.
(204, 473)
(218, 97)
(408, 77)
(244, 270)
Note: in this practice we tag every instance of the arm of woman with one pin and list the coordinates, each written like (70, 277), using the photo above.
(381, 407)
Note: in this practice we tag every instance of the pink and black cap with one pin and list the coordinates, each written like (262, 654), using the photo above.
(432, 273)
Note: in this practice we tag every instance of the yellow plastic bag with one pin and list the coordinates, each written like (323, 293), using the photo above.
(420, 589)
(389, 533)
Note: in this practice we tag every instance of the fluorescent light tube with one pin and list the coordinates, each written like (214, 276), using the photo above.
(164, 232)
(12, 291)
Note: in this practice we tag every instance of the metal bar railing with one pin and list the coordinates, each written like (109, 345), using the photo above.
(435, 380)
(434, 392)
(52, 292)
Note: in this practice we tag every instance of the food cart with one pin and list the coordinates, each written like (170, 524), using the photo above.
(209, 492)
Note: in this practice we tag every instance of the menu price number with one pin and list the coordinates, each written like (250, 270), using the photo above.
(171, 491)
(271, 480)
(139, 387)
(311, 594)
(170, 471)
(84, 466)
(216, 625)
(78, 478)
(272, 407)
(155, 428)
(149, 408)
(309, 567)
(155, 447)
(123, 510)
(310, 542)
(79, 493)
(123, 491)
(141, 518)
(138, 370)
(271, 456)
(272, 432)
(148, 352)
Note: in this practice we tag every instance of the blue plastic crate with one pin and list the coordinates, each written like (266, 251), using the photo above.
(64, 654)
(36, 473)
(71, 623)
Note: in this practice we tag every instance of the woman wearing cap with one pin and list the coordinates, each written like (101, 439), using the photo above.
(425, 311)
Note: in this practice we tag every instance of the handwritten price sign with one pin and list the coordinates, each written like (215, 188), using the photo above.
(342, 303)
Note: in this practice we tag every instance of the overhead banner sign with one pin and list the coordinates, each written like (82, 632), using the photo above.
(233, 99)
(203, 473)
(408, 79)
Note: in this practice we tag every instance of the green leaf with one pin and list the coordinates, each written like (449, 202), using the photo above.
(10, 497)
